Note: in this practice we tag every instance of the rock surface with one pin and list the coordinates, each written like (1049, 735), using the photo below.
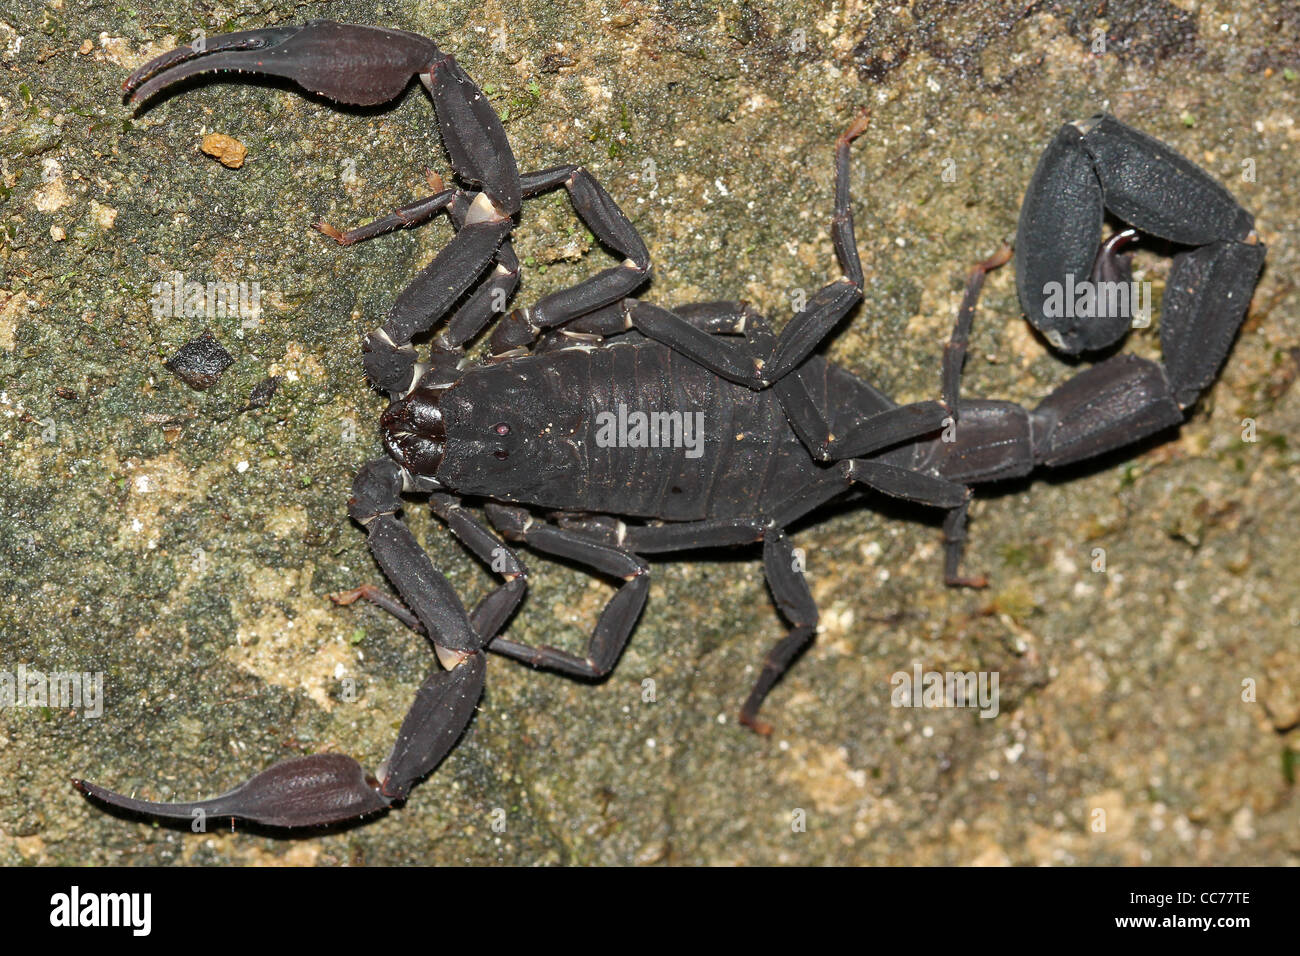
(183, 543)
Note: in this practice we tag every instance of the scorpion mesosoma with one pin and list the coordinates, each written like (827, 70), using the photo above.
(785, 431)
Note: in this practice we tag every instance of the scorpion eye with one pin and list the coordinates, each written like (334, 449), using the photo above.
(501, 428)
(501, 455)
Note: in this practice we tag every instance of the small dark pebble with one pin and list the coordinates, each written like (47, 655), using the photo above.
(554, 62)
(200, 362)
(263, 392)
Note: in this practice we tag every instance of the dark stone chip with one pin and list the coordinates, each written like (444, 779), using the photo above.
(263, 392)
(200, 362)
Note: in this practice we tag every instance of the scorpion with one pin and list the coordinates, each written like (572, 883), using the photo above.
(785, 430)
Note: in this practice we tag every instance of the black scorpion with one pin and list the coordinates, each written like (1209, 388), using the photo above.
(785, 431)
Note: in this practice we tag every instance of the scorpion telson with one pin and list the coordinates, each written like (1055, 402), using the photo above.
(786, 431)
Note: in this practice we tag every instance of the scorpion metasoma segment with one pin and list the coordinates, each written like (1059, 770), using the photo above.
(782, 431)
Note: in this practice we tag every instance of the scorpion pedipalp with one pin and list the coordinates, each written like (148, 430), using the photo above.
(356, 65)
(305, 791)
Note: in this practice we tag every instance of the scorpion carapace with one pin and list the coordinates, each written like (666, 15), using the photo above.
(740, 431)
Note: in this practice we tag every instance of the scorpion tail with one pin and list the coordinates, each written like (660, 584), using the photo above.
(356, 65)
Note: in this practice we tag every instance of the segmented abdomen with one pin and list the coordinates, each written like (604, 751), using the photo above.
(573, 430)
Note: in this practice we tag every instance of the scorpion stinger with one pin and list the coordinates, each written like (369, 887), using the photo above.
(1101, 165)
(1096, 164)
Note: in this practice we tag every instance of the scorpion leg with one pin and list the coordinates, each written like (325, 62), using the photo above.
(929, 490)
(834, 414)
(809, 327)
(954, 352)
(952, 497)
(740, 362)
(487, 301)
(855, 421)
(599, 213)
(806, 330)
(481, 156)
(838, 416)
(668, 536)
(954, 358)
(924, 489)
(734, 361)
(905, 483)
(878, 423)
(605, 322)
(787, 584)
(954, 541)
(595, 327)
(672, 536)
(577, 541)
(784, 577)
(404, 217)
(485, 615)
(723, 317)
(842, 235)
(715, 318)
(620, 614)
(490, 298)
(611, 321)
(689, 330)
(380, 598)
(795, 602)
